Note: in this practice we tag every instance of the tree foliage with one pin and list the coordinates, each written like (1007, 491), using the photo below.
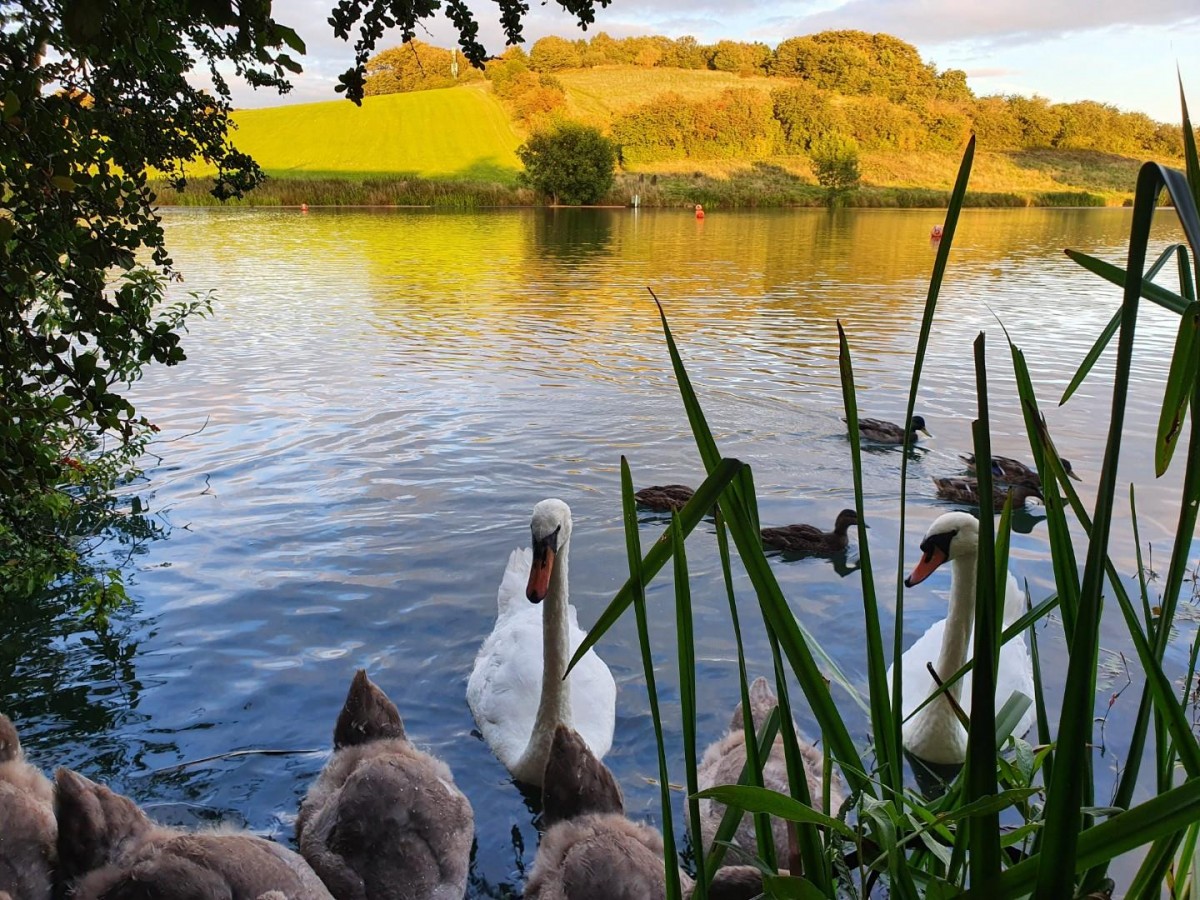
(572, 163)
(835, 163)
(551, 54)
(415, 66)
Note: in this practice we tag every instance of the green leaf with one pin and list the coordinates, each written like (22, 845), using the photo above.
(1181, 382)
(63, 182)
(789, 887)
(757, 799)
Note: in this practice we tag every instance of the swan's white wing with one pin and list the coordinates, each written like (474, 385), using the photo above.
(511, 595)
(593, 695)
(506, 683)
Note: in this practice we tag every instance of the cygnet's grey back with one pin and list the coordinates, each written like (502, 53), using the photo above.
(384, 821)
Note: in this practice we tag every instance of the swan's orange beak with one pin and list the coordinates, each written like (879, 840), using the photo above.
(539, 573)
(932, 558)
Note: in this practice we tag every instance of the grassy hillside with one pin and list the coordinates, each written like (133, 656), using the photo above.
(456, 147)
(594, 95)
(457, 133)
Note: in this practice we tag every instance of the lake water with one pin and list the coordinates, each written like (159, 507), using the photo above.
(362, 428)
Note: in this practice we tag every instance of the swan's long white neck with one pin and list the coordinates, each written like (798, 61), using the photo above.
(555, 704)
(960, 620)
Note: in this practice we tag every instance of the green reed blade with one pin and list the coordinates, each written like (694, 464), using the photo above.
(685, 641)
(1187, 283)
(758, 799)
(1181, 382)
(1049, 466)
(1185, 861)
(740, 512)
(900, 874)
(884, 725)
(689, 517)
(1009, 715)
(1170, 813)
(1039, 697)
(634, 550)
(1191, 161)
(752, 770)
(1189, 505)
(983, 836)
(1155, 293)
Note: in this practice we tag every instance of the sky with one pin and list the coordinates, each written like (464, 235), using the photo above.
(1122, 52)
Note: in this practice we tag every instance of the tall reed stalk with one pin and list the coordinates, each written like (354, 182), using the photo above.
(891, 841)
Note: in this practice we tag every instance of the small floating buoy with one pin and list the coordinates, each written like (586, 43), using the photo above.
(304, 207)
(699, 211)
(935, 232)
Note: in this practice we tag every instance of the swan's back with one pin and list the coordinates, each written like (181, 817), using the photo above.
(384, 820)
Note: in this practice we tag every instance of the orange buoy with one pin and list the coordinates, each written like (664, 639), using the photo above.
(699, 211)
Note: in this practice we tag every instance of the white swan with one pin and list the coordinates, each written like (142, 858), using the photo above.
(935, 734)
(516, 691)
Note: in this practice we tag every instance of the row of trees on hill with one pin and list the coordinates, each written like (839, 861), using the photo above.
(872, 87)
(749, 123)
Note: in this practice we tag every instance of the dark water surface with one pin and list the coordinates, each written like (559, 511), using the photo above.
(362, 428)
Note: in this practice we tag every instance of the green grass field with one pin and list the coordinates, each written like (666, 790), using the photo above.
(460, 134)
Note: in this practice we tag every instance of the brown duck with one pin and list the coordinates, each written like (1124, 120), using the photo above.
(664, 497)
(810, 538)
(1013, 471)
(879, 431)
(966, 490)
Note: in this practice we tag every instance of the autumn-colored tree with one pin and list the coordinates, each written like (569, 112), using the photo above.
(996, 125)
(740, 57)
(550, 54)
(805, 113)
(415, 66)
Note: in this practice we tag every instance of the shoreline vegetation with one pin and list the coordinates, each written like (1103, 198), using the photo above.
(1090, 182)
